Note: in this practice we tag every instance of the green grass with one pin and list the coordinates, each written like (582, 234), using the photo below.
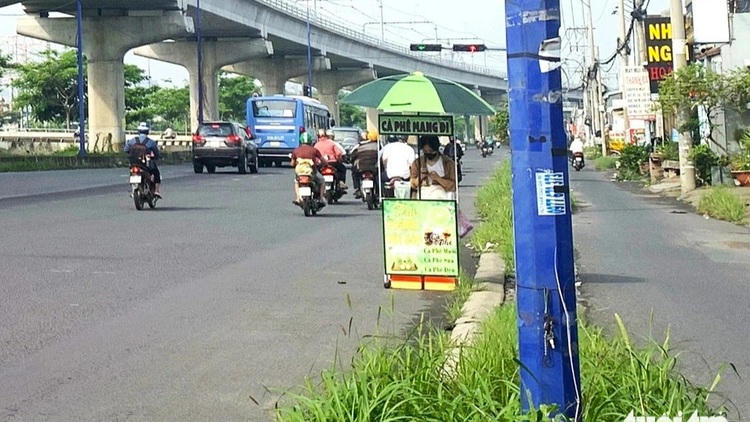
(494, 205)
(592, 153)
(466, 286)
(723, 204)
(397, 382)
(605, 163)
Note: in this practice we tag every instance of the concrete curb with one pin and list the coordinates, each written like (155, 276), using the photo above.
(491, 280)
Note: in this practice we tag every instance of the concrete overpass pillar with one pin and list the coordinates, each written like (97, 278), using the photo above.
(216, 54)
(105, 42)
(481, 123)
(329, 83)
(274, 72)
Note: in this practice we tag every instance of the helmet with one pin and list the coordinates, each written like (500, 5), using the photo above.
(143, 128)
(321, 133)
(330, 134)
(372, 135)
(305, 138)
(393, 138)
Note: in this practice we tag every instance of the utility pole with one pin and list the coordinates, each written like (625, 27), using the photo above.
(81, 97)
(596, 120)
(199, 44)
(547, 318)
(622, 46)
(679, 60)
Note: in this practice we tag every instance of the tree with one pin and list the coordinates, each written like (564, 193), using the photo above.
(351, 115)
(137, 95)
(500, 123)
(171, 104)
(50, 87)
(234, 90)
(5, 64)
(696, 86)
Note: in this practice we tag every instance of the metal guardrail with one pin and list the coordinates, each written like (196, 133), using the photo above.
(341, 28)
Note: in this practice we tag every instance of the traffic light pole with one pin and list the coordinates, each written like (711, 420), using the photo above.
(81, 96)
(547, 328)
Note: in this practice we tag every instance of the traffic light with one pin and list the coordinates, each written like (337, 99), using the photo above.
(471, 48)
(426, 47)
(307, 91)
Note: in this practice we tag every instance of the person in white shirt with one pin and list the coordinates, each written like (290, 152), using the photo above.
(397, 157)
(576, 147)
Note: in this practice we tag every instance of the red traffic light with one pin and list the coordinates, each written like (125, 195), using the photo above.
(471, 48)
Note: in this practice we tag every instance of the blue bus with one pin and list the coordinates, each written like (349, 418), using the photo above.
(277, 122)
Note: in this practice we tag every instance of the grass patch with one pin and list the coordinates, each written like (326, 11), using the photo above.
(592, 153)
(396, 382)
(605, 163)
(495, 207)
(466, 285)
(26, 163)
(723, 204)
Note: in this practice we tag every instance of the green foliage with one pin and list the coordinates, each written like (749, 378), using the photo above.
(605, 163)
(631, 158)
(351, 115)
(495, 207)
(171, 104)
(49, 87)
(393, 380)
(234, 91)
(137, 95)
(592, 153)
(500, 123)
(669, 150)
(704, 158)
(723, 204)
(741, 160)
(5, 64)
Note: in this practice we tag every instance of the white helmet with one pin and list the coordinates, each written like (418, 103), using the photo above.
(143, 128)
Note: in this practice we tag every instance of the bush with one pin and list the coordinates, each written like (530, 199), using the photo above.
(605, 163)
(703, 159)
(669, 150)
(592, 153)
(723, 204)
(631, 158)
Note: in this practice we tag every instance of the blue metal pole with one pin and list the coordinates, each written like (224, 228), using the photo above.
(309, 51)
(547, 329)
(81, 97)
(199, 34)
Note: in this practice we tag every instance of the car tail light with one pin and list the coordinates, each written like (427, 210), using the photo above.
(304, 180)
(233, 140)
(328, 171)
(198, 140)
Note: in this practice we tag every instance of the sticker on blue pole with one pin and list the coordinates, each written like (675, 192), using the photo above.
(550, 202)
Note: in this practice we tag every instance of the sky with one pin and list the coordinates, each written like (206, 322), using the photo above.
(466, 21)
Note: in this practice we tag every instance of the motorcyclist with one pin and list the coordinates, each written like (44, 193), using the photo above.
(333, 153)
(396, 157)
(576, 147)
(168, 134)
(305, 160)
(364, 158)
(152, 149)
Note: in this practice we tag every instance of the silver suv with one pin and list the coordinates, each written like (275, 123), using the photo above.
(224, 144)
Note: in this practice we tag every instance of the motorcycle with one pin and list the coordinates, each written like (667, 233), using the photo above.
(487, 150)
(333, 185)
(369, 193)
(577, 161)
(310, 194)
(396, 184)
(142, 186)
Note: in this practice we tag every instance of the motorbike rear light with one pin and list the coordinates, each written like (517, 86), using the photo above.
(367, 175)
(135, 170)
(328, 171)
(304, 179)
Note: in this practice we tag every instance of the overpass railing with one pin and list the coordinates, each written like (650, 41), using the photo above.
(341, 28)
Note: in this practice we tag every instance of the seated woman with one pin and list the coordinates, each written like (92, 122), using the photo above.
(433, 176)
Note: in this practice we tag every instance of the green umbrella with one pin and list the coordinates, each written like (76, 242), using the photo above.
(417, 93)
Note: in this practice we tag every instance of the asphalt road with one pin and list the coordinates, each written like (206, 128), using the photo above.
(224, 295)
(640, 253)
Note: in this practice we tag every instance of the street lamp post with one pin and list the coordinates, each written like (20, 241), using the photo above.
(309, 51)
(81, 98)
(199, 35)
